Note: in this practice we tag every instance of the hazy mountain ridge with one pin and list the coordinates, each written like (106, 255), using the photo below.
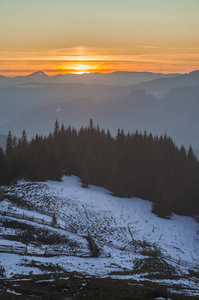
(164, 84)
(16, 100)
(176, 114)
(112, 112)
(115, 78)
(157, 105)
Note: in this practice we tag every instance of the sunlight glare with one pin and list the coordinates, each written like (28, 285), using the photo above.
(79, 69)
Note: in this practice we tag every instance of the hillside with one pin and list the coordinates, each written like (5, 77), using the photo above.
(50, 223)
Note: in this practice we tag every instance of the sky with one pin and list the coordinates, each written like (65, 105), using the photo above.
(86, 36)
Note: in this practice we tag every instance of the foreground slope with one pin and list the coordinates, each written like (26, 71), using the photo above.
(133, 242)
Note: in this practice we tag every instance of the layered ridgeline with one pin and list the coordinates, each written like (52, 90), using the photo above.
(159, 103)
(138, 165)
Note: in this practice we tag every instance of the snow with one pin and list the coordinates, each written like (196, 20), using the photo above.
(13, 292)
(177, 237)
(119, 226)
(6, 205)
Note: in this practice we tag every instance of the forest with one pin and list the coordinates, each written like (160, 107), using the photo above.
(129, 165)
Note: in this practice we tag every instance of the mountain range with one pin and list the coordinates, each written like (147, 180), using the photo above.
(156, 103)
(115, 78)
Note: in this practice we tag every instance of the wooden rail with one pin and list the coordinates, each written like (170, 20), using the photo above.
(48, 251)
(32, 218)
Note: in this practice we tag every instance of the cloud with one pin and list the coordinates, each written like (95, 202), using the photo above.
(150, 47)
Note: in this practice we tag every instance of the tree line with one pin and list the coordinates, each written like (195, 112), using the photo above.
(129, 165)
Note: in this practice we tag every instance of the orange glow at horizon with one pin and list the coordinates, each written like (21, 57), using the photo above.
(78, 69)
(102, 36)
(80, 60)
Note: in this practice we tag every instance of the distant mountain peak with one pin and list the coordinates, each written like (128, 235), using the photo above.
(195, 73)
(38, 73)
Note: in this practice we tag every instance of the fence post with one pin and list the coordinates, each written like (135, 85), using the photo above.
(2, 270)
(135, 248)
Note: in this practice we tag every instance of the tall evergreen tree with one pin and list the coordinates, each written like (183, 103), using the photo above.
(56, 129)
(9, 144)
(3, 169)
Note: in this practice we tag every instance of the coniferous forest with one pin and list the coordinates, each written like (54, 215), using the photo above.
(137, 165)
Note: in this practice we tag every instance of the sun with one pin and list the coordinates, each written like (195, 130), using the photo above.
(79, 69)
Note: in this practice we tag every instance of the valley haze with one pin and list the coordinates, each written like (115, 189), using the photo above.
(155, 102)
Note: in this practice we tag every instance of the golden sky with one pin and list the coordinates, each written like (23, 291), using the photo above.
(77, 36)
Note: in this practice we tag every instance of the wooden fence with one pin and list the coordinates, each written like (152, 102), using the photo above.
(24, 217)
(48, 251)
(43, 221)
(92, 245)
(13, 249)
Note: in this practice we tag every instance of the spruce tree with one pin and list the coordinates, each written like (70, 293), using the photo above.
(3, 169)
(9, 144)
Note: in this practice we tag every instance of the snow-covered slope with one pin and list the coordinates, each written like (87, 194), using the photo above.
(127, 234)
